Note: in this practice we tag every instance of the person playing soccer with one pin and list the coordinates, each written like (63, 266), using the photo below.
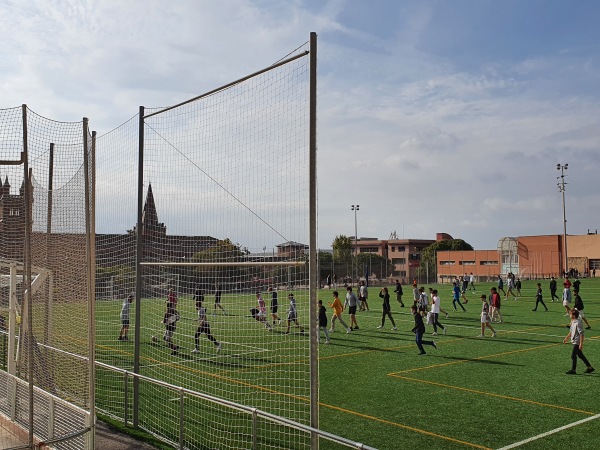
(485, 317)
(399, 294)
(387, 309)
(337, 313)
(567, 296)
(553, 290)
(260, 314)
(218, 301)
(125, 312)
(322, 322)
(274, 306)
(435, 310)
(495, 300)
(293, 315)
(456, 294)
(419, 330)
(172, 298)
(352, 303)
(501, 285)
(170, 320)
(539, 299)
(576, 335)
(363, 295)
(203, 327)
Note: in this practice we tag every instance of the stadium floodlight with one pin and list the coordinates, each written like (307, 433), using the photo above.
(561, 188)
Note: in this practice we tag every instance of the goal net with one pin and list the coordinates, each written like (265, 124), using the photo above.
(225, 237)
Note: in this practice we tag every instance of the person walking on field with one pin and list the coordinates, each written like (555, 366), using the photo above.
(218, 301)
(501, 284)
(511, 286)
(170, 321)
(399, 294)
(435, 311)
(125, 313)
(363, 295)
(337, 313)
(553, 290)
(274, 306)
(576, 335)
(431, 299)
(456, 294)
(578, 305)
(472, 281)
(495, 303)
(352, 303)
(518, 286)
(567, 297)
(485, 317)
(203, 327)
(419, 330)
(539, 299)
(387, 310)
(322, 322)
(293, 315)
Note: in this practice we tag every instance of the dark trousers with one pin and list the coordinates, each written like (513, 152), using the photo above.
(578, 353)
(419, 340)
(387, 312)
(553, 295)
(454, 301)
(539, 300)
(436, 322)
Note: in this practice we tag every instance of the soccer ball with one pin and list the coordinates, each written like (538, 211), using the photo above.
(154, 339)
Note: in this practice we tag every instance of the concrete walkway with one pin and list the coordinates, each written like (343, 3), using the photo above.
(108, 438)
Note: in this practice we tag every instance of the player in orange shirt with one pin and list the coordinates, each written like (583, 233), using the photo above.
(337, 312)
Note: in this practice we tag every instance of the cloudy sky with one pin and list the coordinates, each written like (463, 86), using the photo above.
(434, 116)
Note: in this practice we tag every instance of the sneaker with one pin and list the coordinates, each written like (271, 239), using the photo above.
(433, 344)
(380, 326)
(589, 369)
(494, 334)
(571, 372)
(327, 342)
(481, 335)
(195, 350)
(119, 338)
(331, 330)
(348, 330)
(588, 328)
(447, 315)
(434, 334)
(421, 354)
(218, 347)
(356, 328)
(444, 331)
(174, 352)
(394, 328)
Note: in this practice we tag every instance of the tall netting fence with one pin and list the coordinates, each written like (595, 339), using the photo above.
(221, 303)
(45, 280)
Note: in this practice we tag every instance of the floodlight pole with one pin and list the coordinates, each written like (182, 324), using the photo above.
(355, 208)
(561, 188)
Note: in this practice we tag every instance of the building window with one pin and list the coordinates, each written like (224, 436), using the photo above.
(401, 248)
(393, 248)
(488, 263)
(369, 249)
(468, 263)
(14, 212)
(398, 261)
(447, 263)
(414, 256)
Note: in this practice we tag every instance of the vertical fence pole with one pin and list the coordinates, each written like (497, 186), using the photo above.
(313, 275)
(126, 398)
(138, 267)
(181, 418)
(254, 429)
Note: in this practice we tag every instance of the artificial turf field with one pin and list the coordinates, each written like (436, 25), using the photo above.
(469, 393)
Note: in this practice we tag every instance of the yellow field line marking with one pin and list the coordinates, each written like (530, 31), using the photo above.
(405, 427)
(475, 359)
(506, 397)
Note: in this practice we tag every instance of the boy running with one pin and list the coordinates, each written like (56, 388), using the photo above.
(293, 315)
(203, 327)
(337, 313)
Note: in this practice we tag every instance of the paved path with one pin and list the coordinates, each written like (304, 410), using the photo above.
(108, 438)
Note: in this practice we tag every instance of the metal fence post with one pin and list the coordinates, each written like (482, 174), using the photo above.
(181, 421)
(126, 398)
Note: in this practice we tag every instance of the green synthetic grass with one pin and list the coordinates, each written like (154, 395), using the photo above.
(469, 393)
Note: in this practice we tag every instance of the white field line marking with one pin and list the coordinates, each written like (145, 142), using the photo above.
(548, 433)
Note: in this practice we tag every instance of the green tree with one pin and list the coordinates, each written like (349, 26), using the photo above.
(376, 264)
(342, 248)
(429, 255)
(223, 251)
